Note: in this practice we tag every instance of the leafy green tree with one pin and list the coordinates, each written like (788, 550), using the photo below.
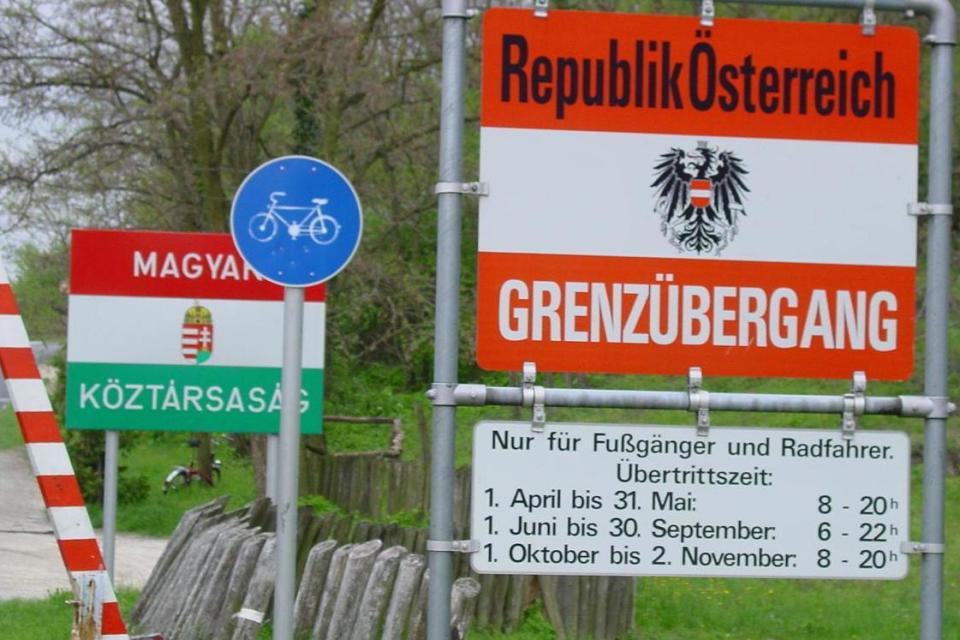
(151, 112)
(39, 285)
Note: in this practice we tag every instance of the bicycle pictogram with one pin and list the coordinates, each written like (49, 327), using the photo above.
(321, 227)
(286, 231)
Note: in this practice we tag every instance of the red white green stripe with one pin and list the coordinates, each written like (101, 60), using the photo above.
(51, 465)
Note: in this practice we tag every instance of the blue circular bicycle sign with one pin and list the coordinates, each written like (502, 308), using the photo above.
(296, 220)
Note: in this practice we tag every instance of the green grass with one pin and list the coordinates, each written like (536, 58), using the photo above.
(667, 608)
(49, 618)
(9, 430)
(152, 457)
(754, 609)
(695, 608)
(807, 609)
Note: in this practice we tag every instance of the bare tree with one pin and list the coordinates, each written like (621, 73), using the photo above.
(151, 112)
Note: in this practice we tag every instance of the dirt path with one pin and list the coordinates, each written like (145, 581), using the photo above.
(30, 560)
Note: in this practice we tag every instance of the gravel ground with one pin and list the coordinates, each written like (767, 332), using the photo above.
(30, 560)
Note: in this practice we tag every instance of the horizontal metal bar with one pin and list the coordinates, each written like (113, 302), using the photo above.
(909, 406)
(943, 28)
(884, 5)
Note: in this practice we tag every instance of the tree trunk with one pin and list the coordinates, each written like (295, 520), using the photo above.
(204, 457)
(258, 455)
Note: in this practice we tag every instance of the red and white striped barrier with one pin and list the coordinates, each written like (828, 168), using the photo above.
(51, 466)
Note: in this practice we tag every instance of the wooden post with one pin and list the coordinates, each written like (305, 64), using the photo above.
(355, 575)
(206, 596)
(499, 601)
(239, 582)
(418, 620)
(463, 601)
(311, 586)
(325, 611)
(376, 595)
(180, 537)
(404, 592)
(588, 605)
(517, 601)
(603, 625)
(551, 604)
(184, 574)
(484, 605)
(250, 617)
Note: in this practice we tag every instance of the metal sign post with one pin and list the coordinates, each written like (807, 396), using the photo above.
(288, 457)
(297, 221)
(111, 462)
(447, 319)
(942, 40)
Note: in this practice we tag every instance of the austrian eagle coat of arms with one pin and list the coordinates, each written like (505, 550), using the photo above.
(699, 196)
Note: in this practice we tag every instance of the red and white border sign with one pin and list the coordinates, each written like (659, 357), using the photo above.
(174, 331)
(664, 195)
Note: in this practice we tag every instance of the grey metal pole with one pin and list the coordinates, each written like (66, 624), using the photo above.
(447, 317)
(272, 446)
(110, 465)
(942, 39)
(288, 457)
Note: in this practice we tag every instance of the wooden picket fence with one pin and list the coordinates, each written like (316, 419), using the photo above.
(215, 579)
(377, 486)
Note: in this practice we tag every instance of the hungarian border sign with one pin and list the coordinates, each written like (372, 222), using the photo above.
(171, 331)
(664, 195)
(296, 220)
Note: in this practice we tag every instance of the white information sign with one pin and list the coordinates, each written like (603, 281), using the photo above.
(596, 499)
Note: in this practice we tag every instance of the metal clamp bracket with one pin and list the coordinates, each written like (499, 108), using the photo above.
(941, 407)
(921, 548)
(454, 546)
(868, 18)
(533, 396)
(541, 8)
(457, 9)
(926, 407)
(854, 404)
(932, 38)
(927, 209)
(463, 188)
(707, 13)
(699, 400)
(443, 394)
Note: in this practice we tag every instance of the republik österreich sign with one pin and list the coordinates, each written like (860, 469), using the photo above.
(664, 195)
